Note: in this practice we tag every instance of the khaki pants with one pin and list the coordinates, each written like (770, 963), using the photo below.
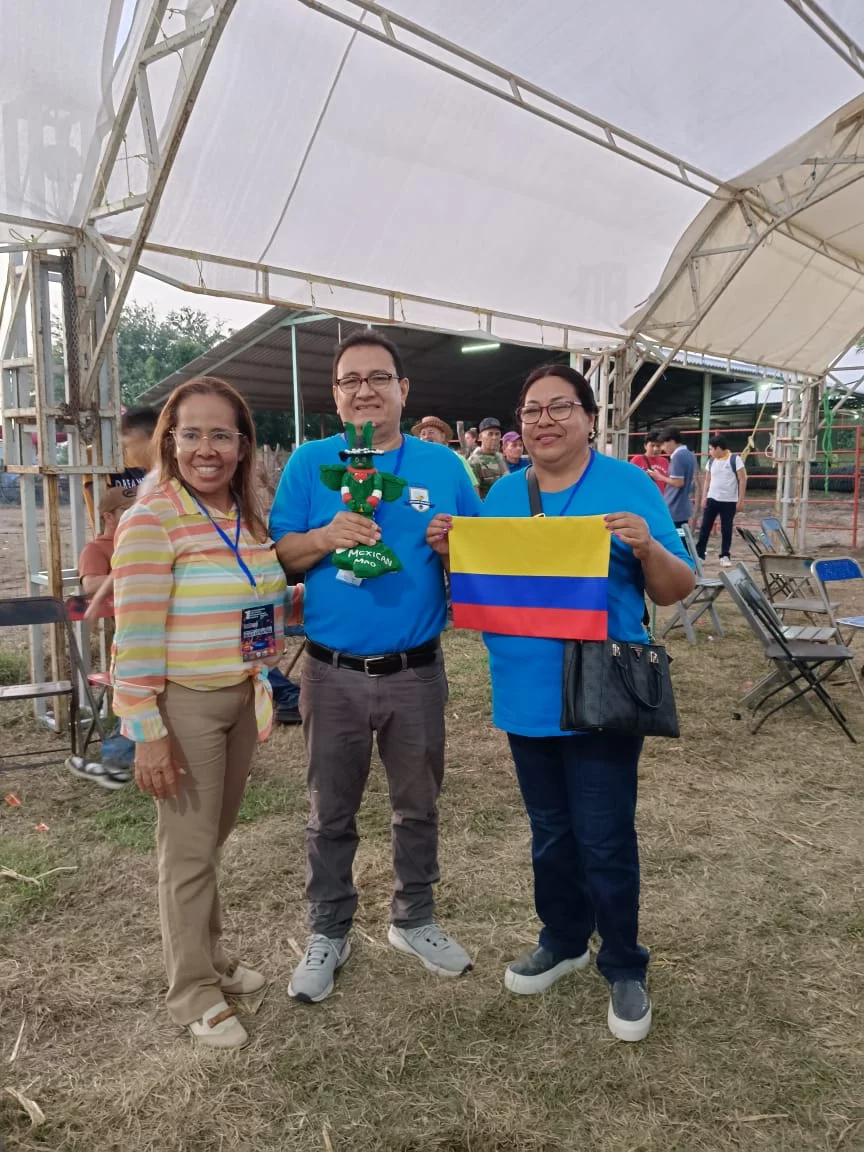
(341, 710)
(214, 735)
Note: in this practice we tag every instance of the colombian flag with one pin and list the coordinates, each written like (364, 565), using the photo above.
(537, 576)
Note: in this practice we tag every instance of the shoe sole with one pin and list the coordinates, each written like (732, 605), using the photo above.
(240, 992)
(630, 1031)
(103, 780)
(531, 985)
(211, 1046)
(403, 946)
(305, 998)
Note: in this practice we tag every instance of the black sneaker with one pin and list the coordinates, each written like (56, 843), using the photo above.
(538, 970)
(629, 1015)
(91, 770)
(288, 716)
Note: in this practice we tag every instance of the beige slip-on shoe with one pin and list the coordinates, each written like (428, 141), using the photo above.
(241, 981)
(219, 1028)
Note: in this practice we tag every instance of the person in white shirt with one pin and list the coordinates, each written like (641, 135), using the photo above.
(725, 484)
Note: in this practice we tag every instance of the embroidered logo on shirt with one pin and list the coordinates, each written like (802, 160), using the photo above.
(418, 498)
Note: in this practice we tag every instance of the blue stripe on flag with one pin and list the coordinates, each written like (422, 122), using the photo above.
(586, 592)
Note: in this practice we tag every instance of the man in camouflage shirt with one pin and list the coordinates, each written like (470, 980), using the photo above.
(487, 461)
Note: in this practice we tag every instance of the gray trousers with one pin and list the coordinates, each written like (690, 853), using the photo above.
(341, 709)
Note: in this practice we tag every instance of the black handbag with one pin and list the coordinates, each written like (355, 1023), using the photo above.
(618, 685)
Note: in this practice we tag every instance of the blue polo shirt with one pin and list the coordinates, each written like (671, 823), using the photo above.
(526, 672)
(398, 610)
(682, 465)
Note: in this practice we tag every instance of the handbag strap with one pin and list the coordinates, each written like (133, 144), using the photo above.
(535, 501)
(626, 671)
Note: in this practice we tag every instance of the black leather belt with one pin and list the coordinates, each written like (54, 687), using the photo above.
(375, 665)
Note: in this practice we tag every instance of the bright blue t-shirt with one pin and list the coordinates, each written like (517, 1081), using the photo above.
(398, 610)
(526, 672)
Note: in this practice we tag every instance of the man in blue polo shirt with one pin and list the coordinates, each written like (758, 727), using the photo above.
(373, 664)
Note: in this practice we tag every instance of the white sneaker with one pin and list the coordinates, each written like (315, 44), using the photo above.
(431, 944)
(219, 1028)
(725, 562)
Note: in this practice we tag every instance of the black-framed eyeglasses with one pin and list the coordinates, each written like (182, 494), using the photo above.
(190, 439)
(559, 410)
(380, 381)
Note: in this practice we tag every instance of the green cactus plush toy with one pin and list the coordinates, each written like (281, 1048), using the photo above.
(363, 488)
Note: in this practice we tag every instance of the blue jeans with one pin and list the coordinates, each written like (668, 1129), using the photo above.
(580, 795)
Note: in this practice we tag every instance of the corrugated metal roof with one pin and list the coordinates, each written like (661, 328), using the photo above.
(444, 381)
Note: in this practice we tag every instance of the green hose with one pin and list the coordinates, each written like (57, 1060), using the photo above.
(828, 437)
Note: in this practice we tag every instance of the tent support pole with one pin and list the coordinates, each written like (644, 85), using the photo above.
(707, 382)
(295, 376)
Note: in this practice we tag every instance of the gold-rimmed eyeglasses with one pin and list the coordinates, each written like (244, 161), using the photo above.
(189, 439)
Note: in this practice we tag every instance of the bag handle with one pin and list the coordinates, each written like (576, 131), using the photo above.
(626, 674)
(535, 501)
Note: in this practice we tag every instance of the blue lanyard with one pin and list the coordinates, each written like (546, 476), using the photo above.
(233, 545)
(576, 486)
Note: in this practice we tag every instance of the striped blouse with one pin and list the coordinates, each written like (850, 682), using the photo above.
(179, 594)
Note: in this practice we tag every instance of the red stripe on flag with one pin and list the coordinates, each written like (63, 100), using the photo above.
(550, 623)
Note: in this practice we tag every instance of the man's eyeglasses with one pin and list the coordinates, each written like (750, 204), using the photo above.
(188, 439)
(559, 410)
(380, 381)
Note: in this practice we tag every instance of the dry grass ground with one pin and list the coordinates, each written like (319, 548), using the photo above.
(752, 906)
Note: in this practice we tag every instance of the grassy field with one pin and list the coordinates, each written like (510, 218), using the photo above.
(752, 907)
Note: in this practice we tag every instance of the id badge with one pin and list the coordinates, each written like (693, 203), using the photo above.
(258, 632)
(349, 578)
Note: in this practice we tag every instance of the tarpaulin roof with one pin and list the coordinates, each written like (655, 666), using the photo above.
(561, 172)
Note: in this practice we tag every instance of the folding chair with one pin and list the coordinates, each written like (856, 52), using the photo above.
(98, 682)
(787, 580)
(776, 533)
(752, 541)
(836, 571)
(33, 611)
(800, 666)
(700, 600)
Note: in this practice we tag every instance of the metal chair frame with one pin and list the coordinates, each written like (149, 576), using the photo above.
(34, 611)
(700, 600)
(796, 662)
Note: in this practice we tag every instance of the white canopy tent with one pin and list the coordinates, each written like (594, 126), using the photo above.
(620, 180)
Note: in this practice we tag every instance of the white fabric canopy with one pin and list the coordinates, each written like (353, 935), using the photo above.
(324, 167)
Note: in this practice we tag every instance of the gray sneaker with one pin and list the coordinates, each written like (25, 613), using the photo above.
(539, 970)
(313, 977)
(629, 1016)
(431, 944)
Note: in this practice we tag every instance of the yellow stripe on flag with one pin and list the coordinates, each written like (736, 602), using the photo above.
(535, 546)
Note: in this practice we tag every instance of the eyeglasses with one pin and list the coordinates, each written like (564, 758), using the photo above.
(380, 381)
(189, 439)
(559, 410)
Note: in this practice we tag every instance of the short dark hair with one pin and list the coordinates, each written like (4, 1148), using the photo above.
(653, 437)
(718, 442)
(368, 336)
(139, 420)
(673, 434)
(583, 390)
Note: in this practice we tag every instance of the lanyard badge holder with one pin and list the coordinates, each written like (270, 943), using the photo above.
(257, 623)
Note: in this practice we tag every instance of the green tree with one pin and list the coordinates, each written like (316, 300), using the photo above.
(151, 347)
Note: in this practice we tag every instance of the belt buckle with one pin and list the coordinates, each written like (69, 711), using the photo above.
(367, 660)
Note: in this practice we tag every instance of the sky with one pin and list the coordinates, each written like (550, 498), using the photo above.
(164, 298)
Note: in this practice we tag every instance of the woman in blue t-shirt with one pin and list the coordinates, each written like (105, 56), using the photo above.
(580, 788)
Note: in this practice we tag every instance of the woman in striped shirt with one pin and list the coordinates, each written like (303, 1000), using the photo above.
(199, 600)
